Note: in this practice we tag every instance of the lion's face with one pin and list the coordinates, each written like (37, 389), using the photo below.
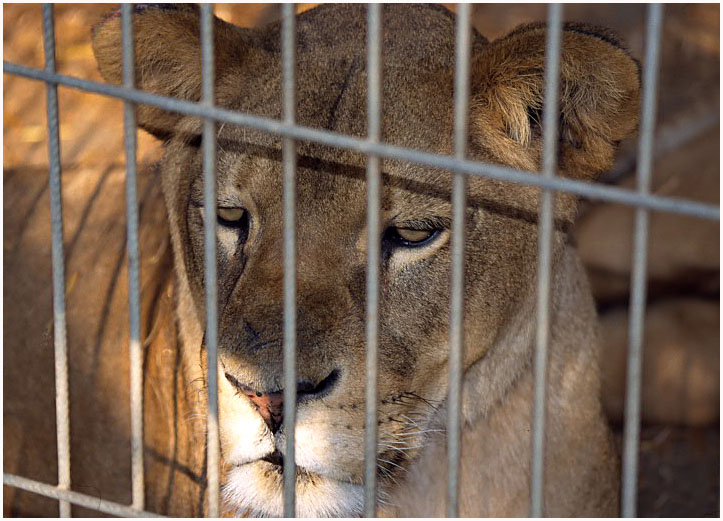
(331, 286)
(598, 106)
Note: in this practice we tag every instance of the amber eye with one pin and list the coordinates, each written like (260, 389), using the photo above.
(410, 237)
(229, 216)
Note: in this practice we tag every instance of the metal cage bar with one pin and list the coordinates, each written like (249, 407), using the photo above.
(68, 496)
(553, 52)
(134, 313)
(375, 151)
(459, 206)
(631, 434)
(374, 122)
(288, 31)
(587, 189)
(209, 202)
(62, 410)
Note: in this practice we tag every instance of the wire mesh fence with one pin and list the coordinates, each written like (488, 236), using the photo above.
(375, 150)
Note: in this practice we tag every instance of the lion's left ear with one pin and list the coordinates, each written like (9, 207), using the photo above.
(167, 56)
(599, 98)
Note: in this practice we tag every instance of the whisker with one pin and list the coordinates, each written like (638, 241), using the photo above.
(392, 463)
(418, 432)
(400, 449)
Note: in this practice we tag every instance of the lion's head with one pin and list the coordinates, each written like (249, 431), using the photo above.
(598, 107)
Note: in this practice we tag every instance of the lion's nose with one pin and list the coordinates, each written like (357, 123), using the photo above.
(271, 404)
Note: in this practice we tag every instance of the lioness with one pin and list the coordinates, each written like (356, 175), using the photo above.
(598, 107)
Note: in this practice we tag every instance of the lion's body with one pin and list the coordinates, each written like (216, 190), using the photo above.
(599, 106)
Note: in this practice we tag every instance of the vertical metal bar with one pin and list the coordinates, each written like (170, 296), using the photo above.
(209, 201)
(374, 112)
(289, 158)
(547, 205)
(136, 359)
(631, 435)
(62, 411)
(459, 205)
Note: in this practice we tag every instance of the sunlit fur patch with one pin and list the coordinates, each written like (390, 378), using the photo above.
(324, 448)
(256, 489)
(244, 435)
(250, 428)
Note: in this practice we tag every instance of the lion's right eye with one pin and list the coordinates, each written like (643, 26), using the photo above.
(230, 217)
(410, 237)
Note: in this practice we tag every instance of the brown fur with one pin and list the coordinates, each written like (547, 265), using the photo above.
(599, 100)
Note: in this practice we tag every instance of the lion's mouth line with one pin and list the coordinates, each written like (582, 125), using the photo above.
(275, 458)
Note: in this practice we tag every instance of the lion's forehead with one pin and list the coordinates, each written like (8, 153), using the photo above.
(331, 94)
(422, 35)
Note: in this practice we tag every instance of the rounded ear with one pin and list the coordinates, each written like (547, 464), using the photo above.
(599, 98)
(167, 56)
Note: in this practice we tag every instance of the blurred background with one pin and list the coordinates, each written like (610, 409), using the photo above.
(681, 378)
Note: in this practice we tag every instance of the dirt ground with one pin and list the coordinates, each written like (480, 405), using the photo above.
(679, 471)
(679, 466)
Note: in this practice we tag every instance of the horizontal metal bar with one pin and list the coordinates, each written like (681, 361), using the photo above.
(585, 189)
(83, 500)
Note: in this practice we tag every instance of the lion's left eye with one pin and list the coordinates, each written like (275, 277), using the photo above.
(410, 237)
(229, 216)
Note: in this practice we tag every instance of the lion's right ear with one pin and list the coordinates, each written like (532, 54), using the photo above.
(598, 104)
(167, 56)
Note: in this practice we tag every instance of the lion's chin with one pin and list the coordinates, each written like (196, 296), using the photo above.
(256, 489)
